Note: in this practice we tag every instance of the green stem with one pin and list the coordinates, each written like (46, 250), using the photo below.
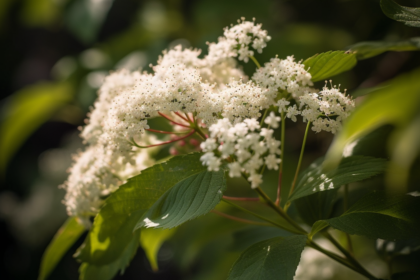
(279, 211)
(233, 218)
(300, 159)
(349, 256)
(258, 216)
(263, 117)
(283, 129)
(197, 129)
(255, 61)
(338, 259)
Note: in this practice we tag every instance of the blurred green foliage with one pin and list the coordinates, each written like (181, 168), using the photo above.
(55, 54)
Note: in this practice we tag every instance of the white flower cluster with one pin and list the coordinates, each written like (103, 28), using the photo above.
(237, 41)
(284, 75)
(246, 144)
(207, 89)
(327, 109)
(94, 175)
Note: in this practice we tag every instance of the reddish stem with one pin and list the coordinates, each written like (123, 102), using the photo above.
(169, 119)
(241, 198)
(167, 142)
(181, 116)
(188, 117)
(163, 132)
(236, 218)
(279, 190)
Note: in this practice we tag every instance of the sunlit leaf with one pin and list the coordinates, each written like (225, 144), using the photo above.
(69, 232)
(351, 169)
(377, 215)
(275, 258)
(408, 16)
(151, 239)
(112, 229)
(404, 152)
(25, 111)
(108, 271)
(188, 199)
(366, 50)
(328, 64)
(396, 103)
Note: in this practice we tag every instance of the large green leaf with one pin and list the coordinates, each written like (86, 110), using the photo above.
(366, 50)
(112, 229)
(275, 258)
(69, 232)
(328, 64)
(396, 103)
(408, 16)
(188, 199)
(244, 238)
(351, 169)
(25, 111)
(404, 152)
(108, 271)
(377, 215)
(151, 239)
(317, 206)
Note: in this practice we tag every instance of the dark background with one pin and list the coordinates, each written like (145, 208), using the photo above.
(69, 46)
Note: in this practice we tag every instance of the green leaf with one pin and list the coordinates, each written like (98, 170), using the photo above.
(112, 229)
(396, 103)
(188, 199)
(107, 272)
(317, 206)
(85, 18)
(151, 239)
(317, 227)
(275, 258)
(244, 238)
(350, 170)
(377, 215)
(404, 152)
(69, 232)
(369, 49)
(328, 64)
(408, 16)
(25, 111)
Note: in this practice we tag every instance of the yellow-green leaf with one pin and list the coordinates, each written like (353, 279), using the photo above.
(325, 65)
(151, 239)
(69, 232)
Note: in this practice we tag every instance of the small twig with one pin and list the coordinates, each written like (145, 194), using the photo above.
(241, 198)
(163, 143)
(172, 121)
(239, 219)
(181, 116)
(165, 132)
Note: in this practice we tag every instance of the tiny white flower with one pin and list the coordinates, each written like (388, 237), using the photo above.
(272, 120)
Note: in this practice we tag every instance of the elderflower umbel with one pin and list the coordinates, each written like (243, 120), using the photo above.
(327, 109)
(237, 41)
(284, 75)
(250, 146)
(94, 175)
